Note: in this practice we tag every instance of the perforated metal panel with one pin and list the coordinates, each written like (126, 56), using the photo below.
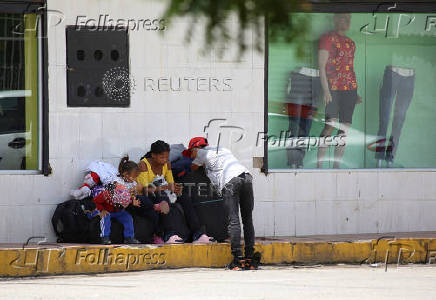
(98, 67)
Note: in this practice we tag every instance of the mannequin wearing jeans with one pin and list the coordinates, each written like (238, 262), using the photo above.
(397, 82)
(303, 93)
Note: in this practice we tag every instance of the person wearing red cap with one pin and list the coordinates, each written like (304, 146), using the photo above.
(234, 182)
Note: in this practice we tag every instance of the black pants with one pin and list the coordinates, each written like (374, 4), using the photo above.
(146, 210)
(343, 104)
(238, 193)
(191, 216)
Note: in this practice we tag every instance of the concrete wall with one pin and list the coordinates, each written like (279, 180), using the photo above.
(302, 203)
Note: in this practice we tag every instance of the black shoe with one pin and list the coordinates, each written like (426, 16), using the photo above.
(131, 240)
(253, 262)
(237, 264)
(106, 240)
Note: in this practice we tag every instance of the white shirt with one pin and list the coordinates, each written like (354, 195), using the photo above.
(220, 165)
(131, 186)
(105, 171)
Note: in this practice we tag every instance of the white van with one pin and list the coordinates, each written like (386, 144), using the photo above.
(12, 130)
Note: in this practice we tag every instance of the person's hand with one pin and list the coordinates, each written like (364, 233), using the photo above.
(132, 191)
(139, 188)
(194, 152)
(178, 188)
(359, 99)
(136, 202)
(151, 189)
(327, 97)
(164, 207)
(103, 213)
(164, 187)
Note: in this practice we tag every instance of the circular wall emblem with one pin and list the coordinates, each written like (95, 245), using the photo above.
(118, 85)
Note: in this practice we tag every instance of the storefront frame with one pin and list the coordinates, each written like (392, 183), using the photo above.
(38, 7)
(341, 7)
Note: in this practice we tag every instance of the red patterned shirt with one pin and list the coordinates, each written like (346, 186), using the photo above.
(340, 64)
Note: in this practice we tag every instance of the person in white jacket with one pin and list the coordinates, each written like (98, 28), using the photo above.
(235, 184)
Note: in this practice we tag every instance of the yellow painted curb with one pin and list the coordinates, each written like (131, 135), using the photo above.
(35, 261)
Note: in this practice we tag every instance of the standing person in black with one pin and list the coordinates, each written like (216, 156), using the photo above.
(236, 184)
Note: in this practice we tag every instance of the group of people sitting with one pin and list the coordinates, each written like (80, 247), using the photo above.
(148, 187)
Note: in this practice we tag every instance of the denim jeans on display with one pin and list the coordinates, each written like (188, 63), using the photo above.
(401, 87)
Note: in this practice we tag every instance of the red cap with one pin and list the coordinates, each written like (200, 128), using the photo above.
(193, 143)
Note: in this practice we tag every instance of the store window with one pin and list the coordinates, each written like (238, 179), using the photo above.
(361, 95)
(19, 101)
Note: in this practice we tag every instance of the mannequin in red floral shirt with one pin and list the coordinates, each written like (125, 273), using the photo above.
(338, 83)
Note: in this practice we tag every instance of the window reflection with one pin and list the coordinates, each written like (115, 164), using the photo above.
(386, 62)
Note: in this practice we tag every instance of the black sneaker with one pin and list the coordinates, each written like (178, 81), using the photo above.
(237, 264)
(131, 240)
(253, 262)
(106, 240)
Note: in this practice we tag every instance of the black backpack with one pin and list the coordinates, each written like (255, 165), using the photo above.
(209, 205)
(71, 224)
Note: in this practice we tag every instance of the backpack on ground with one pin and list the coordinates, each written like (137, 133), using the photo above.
(72, 225)
(70, 222)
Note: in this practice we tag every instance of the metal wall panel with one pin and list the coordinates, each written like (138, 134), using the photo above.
(98, 67)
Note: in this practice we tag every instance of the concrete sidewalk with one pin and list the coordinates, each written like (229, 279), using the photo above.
(271, 282)
(17, 260)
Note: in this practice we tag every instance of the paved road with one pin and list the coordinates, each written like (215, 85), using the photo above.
(323, 282)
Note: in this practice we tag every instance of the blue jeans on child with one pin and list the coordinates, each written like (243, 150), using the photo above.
(123, 217)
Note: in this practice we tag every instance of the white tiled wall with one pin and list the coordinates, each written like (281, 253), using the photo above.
(302, 203)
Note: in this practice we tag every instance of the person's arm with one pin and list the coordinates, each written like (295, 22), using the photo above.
(169, 178)
(99, 201)
(142, 179)
(199, 158)
(139, 189)
(323, 56)
(136, 202)
(195, 167)
(142, 166)
(174, 187)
